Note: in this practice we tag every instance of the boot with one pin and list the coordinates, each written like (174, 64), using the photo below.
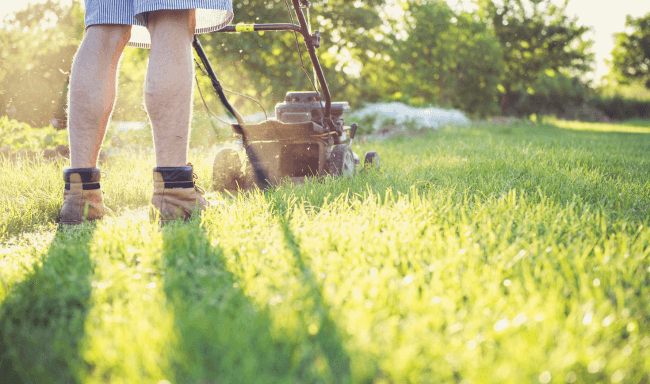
(175, 195)
(82, 197)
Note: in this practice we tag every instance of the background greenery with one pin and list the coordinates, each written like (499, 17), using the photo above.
(631, 56)
(512, 57)
(22, 136)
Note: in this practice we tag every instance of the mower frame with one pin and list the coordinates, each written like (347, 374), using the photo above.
(306, 132)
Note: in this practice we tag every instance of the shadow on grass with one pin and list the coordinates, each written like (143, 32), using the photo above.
(222, 336)
(325, 331)
(42, 319)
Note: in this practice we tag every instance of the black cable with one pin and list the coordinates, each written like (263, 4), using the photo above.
(295, 35)
(209, 110)
(266, 117)
(237, 128)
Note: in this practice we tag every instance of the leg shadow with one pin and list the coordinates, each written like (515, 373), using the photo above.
(326, 334)
(42, 318)
(222, 337)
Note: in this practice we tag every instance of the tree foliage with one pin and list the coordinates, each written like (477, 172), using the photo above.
(449, 59)
(420, 52)
(631, 54)
(537, 37)
(37, 46)
(466, 60)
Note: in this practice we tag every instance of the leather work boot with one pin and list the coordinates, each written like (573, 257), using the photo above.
(175, 195)
(82, 196)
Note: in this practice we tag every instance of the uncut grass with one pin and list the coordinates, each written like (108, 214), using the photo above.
(31, 192)
(504, 254)
(484, 161)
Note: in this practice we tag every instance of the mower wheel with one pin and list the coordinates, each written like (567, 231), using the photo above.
(357, 162)
(250, 179)
(227, 173)
(341, 161)
(371, 160)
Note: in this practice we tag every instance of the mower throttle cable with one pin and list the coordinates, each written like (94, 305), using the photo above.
(295, 35)
(266, 117)
(209, 110)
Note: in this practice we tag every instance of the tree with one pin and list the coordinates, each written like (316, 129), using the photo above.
(537, 37)
(631, 53)
(449, 59)
(36, 50)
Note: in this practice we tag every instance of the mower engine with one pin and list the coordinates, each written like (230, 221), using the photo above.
(296, 144)
(307, 106)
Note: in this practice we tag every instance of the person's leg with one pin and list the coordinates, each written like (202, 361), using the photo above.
(93, 83)
(169, 84)
(168, 97)
(91, 98)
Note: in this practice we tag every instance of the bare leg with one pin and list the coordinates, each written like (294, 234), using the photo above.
(168, 85)
(92, 90)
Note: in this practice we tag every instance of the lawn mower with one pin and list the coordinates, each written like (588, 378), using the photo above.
(308, 136)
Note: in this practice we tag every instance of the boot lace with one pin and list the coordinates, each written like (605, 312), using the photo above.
(197, 188)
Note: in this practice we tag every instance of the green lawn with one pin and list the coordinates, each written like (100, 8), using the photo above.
(630, 126)
(475, 255)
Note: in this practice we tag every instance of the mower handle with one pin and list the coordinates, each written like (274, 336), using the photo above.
(327, 115)
(311, 41)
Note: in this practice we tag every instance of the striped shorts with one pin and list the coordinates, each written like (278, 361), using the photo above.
(211, 15)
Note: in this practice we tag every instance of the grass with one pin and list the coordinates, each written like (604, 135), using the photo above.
(474, 255)
(630, 126)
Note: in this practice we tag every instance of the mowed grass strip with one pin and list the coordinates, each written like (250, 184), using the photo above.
(499, 254)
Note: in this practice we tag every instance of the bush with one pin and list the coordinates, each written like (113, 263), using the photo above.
(19, 135)
(570, 98)
(585, 112)
(552, 94)
(450, 59)
(618, 108)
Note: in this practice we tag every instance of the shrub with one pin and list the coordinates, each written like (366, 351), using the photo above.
(585, 112)
(450, 59)
(619, 108)
(19, 135)
(552, 94)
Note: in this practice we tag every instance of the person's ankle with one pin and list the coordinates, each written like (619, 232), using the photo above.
(171, 162)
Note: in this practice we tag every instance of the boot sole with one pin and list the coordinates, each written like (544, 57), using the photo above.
(78, 222)
(71, 222)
